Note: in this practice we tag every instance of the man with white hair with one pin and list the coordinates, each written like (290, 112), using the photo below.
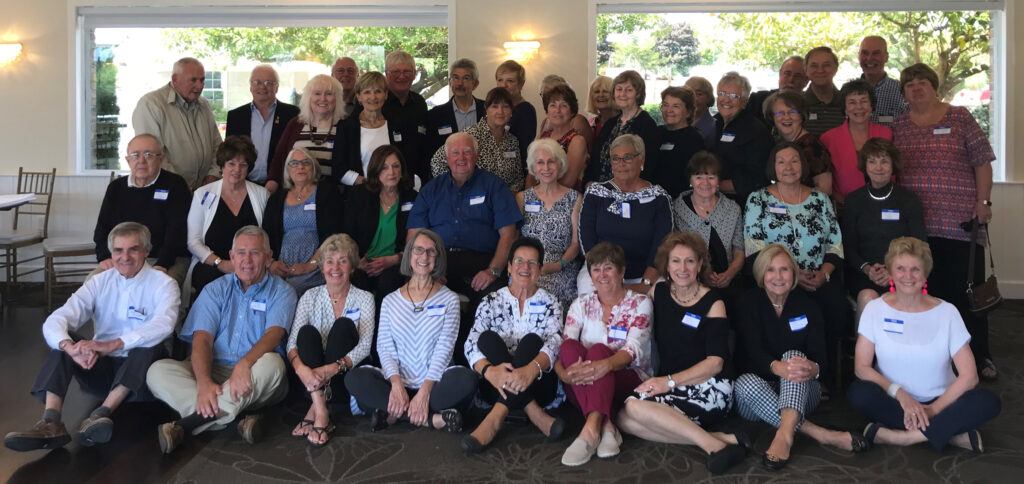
(263, 120)
(178, 115)
(406, 112)
(133, 309)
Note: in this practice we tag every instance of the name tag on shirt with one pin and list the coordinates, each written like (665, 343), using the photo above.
(885, 119)
(532, 207)
(890, 214)
(352, 314)
(646, 199)
(667, 146)
(510, 153)
(397, 136)
(136, 313)
(477, 200)
(942, 130)
(309, 206)
(160, 195)
(536, 307)
(444, 130)
(727, 137)
(777, 209)
(624, 208)
(892, 326)
(798, 323)
(420, 129)
(209, 200)
(813, 117)
(691, 320)
(259, 305)
(407, 206)
(435, 310)
(617, 333)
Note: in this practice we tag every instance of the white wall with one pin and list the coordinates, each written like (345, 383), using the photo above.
(36, 95)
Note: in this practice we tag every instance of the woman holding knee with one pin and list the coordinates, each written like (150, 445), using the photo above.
(783, 334)
(604, 353)
(514, 340)
(912, 395)
(691, 333)
(415, 339)
(332, 332)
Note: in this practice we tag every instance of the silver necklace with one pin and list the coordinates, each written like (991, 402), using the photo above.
(418, 308)
(892, 186)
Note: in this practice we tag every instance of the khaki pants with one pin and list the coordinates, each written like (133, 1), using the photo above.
(174, 382)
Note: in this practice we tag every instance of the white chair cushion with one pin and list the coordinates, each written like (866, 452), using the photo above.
(67, 244)
(20, 235)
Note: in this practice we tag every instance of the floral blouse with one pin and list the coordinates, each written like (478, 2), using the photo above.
(808, 229)
(499, 312)
(628, 327)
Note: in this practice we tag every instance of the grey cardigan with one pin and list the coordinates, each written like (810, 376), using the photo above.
(726, 218)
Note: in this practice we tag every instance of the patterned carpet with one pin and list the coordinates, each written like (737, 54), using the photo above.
(520, 454)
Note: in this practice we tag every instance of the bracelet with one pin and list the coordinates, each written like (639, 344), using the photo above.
(341, 364)
(483, 373)
(563, 262)
(292, 359)
(862, 267)
(894, 388)
(539, 369)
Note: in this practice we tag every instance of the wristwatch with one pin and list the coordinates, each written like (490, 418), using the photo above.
(671, 382)
(495, 272)
(217, 261)
(986, 202)
(647, 282)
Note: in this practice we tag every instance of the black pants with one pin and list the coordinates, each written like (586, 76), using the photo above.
(372, 391)
(835, 311)
(385, 283)
(493, 347)
(463, 266)
(968, 412)
(203, 274)
(948, 281)
(340, 340)
(107, 373)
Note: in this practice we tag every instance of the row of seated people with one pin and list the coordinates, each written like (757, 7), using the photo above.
(655, 365)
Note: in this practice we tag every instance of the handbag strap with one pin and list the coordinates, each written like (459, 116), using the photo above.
(974, 244)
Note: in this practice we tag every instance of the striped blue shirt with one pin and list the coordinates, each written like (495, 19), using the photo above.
(417, 346)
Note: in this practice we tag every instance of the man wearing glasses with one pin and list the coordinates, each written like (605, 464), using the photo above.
(824, 110)
(407, 110)
(263, 119)
(153, 197)
(346, 72)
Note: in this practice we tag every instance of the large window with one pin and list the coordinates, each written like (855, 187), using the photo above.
(669, 46)
(125, 53)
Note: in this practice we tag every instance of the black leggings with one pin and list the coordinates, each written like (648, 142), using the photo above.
(493, 347)
(340, 340)
(373, 391)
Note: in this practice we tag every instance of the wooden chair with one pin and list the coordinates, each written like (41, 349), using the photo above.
(68, 273)
(23, 234)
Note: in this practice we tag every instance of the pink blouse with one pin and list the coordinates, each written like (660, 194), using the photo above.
(847, 177)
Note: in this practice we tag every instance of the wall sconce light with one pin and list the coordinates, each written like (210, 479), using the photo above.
(522, 50)
(9, 52)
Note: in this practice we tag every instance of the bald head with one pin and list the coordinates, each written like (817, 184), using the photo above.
(346, 72)
(873, 54)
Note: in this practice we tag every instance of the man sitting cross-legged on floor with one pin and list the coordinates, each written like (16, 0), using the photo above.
(235, 326)
(134, 308)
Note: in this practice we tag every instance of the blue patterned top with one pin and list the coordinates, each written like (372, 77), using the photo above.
(808, 229)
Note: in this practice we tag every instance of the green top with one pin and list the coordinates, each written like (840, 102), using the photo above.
(383, 243)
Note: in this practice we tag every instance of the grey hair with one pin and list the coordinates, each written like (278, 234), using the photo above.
(734, 78)
(125, 229)
(795, 57)
(468, 65)
(440, 262)
(553, 148)
(179, 65)
(549, 81)
(265, 66)
(398, 57)
(632, 141)
(339, 243)
(153, 137)
(317, 169)
(461, 134)
(254, 231)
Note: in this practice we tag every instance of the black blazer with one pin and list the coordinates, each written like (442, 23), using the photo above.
(362, 214)
(643, 126)
(328, 214)
(346, 155)
(240, 123)
(444, 115)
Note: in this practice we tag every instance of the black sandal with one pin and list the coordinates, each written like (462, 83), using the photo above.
(988, 364)
(859, 443)
(452, 420)
(723, 460)
(870, 430)
(378, 420)
(319, 431)
(976, 445)
(303, 424)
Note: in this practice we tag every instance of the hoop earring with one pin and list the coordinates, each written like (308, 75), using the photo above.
(892, 287)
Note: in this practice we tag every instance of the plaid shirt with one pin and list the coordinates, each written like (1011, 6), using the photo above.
(889, 101)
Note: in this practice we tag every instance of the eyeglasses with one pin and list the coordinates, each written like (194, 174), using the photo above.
(349, 70)
(267, 83)
(236, 164)
(791, 112)
(302, 162)
(625, 159)
(518, 261)
(148, 155)
(730, 95)
(417, 250)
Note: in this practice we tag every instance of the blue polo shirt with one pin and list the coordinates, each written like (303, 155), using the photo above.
(466, 217)
(237, 319)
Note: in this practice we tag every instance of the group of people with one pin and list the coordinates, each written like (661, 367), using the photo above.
(659, 277)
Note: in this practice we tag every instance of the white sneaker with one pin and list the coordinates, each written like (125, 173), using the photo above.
(609, 446)
(578, 453)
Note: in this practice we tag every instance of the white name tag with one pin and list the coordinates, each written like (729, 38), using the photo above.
(942, 130)
(813, 117)
(667, 146)
(892, 326)
(691, 320)
(798, 323)
(352, 314)
(309, 206)
(510, 153)
(532, 207)
(727, 137)
(435, 310)
(407, 206)
(777, 209)
(477, 200)
(536, 307)
(420, 129)
(885, 119)
(646, 200)
(617, 333)
(624, 208)
(136, 313)
(397, 136)
(259, 305)
(444, 130)
(890, 214)
(160, 195)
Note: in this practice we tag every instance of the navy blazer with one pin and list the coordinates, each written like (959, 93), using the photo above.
(444, 116)
(240, 123)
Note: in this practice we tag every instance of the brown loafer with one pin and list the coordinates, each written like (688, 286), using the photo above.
(251, 428)
(95, 430)
(43, 435)
(171, 435)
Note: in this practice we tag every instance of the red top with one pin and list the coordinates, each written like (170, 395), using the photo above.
(846, 177)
